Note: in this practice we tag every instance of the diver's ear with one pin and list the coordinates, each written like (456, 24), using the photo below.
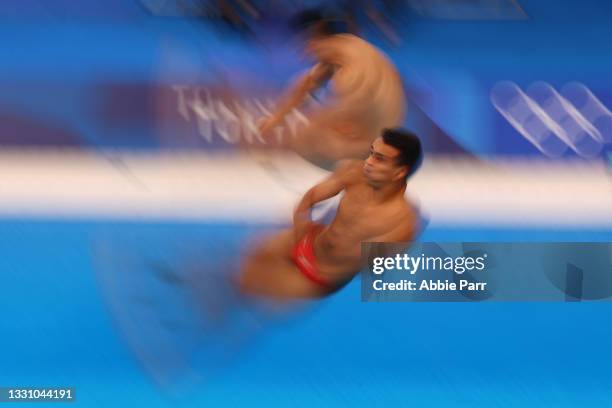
(401, 172)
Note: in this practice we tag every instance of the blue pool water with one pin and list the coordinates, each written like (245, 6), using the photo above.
(64, 323)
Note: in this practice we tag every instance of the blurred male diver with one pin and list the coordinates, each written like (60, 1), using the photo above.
(365, 95)
(311, 260)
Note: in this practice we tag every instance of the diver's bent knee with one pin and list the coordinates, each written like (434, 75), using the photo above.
(246, 282)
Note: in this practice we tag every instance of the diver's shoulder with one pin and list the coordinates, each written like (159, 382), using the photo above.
(348, 37)
(352, 41)
(350, 170)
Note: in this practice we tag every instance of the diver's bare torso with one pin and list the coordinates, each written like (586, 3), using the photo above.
(366, 90)
(360, 217)
(365, 96)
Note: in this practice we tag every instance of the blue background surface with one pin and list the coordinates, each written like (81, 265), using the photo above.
(58, 329)
(58, 62)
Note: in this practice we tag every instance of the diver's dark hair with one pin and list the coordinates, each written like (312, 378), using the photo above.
(315, 22)
(409, 146)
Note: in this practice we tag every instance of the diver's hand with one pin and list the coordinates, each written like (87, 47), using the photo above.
(301, 228)
(266, 124)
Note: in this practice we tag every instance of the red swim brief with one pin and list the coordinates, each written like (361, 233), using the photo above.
(303, 256)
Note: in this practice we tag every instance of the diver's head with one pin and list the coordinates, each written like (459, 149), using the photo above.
(394, 157)
(315, 25)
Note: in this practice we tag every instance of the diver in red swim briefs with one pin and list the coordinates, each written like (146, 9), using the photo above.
(313, 260)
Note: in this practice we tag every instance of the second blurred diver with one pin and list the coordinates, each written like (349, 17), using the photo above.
(365, 95)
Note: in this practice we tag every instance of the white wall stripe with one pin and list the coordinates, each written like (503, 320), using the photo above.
(247, 188)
